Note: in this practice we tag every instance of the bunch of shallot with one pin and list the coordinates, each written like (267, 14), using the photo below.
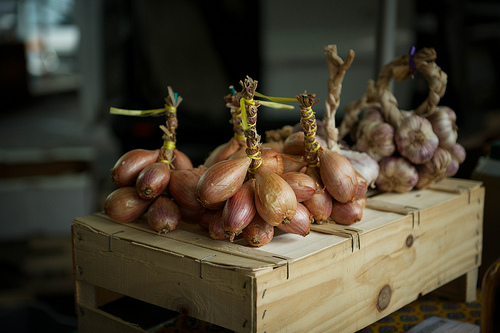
(414, 149)
(154, 182)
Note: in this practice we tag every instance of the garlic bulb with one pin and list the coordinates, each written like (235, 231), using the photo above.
(376, 138)
(443, 121)
(416, 139)
(458, 154)
(434, 170)
(396, 174)
(363, 164)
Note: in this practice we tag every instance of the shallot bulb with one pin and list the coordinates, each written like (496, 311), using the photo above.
(275, 200)
(163, 215)
(347, 213)
(434, 170)
(337, 175)
(182, 187)
(153, 180)
(215, 227)
(320, 204)
(222, 152)
(239, 210)
(293, 163)
(130, 164)
(258, 232)
(396, 174)
(416, 139)
(219, 182)
(294, 144)
(272, 160)
(301, 222)
(181, 161)
(376, 138)
(443, 121)
(125, 205)
(363, 164)
(303, 185)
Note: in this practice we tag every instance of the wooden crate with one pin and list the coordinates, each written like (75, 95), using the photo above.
(337, 279)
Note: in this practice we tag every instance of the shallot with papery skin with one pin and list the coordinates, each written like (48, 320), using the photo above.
(293, 163)
(181, 161)
(294, 144)
(222, 152)
(275, 200)
(258, 232)
(320, 204)
(125, 205)
(301, 222)
(182, 187)
(130, 164)
(215, 227)
(153, 180)
(347, 213)
(363, 164)
(219, 182)
(337, 175)
(190, 216)
(396, 174)
(272, 160)
(416, 139)
(163, 215)
(239, 210)
(303, 185)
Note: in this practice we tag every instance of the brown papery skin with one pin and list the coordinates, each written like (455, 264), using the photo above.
(301, 222)
(258, 232)
(182, 187)
(275, 200)
(362, 187)
(338, 175)
(221, 181)
(125, 205)
(320, 204)
(181, 161)
(303, 185)
(222, 152)
(293, 163)
(153, 180)
(215, 229)
(163, 215)
(294, 144)
(272, 160)
(239, 210)
(130, 164)
(347, 213)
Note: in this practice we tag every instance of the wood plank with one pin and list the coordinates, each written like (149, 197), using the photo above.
(339, 290)
(216, 295)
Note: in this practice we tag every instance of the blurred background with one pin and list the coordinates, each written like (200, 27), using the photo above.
(64, 63)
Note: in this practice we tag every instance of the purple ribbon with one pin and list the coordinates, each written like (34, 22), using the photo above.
(412, 59)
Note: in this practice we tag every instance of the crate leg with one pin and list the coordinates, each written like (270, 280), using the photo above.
(462, 289)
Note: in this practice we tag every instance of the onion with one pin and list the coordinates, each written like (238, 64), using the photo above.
(215, 228)
(258, 232)
(294, 144)
(301, 222)
(153, 180)
(221, 181)
(337, 175)
(239, 210)
(130, 164)
(163, 215)
(125, 205)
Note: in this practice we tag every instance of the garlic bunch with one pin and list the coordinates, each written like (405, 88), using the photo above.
(416, 139)
(396, 174)
(435, 169)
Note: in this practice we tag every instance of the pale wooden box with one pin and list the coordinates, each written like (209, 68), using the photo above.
(337, 279)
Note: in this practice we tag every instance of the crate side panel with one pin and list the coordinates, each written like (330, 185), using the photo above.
(201, 290)
(92, 320)
(343, 291)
